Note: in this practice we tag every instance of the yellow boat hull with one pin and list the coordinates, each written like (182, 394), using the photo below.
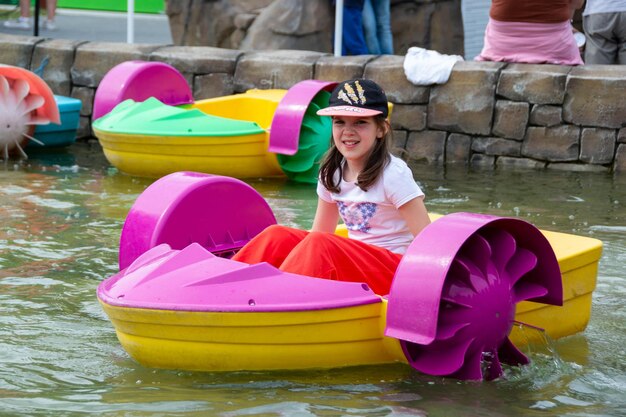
(156, 156)
(207, 341)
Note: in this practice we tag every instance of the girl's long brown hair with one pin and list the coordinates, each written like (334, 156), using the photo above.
(376, 162)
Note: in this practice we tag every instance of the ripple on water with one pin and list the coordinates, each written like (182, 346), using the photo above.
(48, 202)
(608, 229)
(14, 189)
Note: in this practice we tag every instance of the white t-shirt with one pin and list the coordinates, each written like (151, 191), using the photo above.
(372, 216)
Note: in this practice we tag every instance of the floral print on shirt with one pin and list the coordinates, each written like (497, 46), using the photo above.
(356, 216)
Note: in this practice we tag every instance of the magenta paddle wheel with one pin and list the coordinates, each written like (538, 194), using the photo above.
(452, 303)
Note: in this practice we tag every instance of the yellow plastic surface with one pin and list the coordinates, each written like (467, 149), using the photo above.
(155, 156)
(255, 341)
(578, 258)
(254, 105)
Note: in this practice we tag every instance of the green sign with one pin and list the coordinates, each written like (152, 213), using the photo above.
(141, 6)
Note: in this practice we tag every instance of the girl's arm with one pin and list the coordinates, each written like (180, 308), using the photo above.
(326, 217)
(415, 215)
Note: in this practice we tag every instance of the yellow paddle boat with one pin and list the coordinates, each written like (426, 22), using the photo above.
(149, 125)
(457, 307)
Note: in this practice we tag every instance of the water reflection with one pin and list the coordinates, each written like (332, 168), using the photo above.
(61, 220)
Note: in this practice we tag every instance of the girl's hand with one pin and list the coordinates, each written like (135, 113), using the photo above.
(415, 215)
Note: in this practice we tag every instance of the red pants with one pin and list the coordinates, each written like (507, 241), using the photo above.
(322, 255)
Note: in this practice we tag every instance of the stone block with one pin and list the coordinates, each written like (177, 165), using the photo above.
(198, 59)
(546, 115)
(94, 59)
(84, 128)
(446, 28)
(534, 83)
(341, 68)
(409, 117)
(497, 146)
(619, 165)
(595, 96)
(398, 147)
(479, 160)
(58, 55)
(509, 162)
(510, 119)
(274, 69)
(597, 146)
(427, 145)
(621, 135)
(465, 103)
(236, 38)
(554, 144)
(209, 23)
(244, 20)
(388, 72)
(213, 85)
(572, 167)
(17, 50)
(292, 25)
(411, 24)
(458, 148)
(85, 95)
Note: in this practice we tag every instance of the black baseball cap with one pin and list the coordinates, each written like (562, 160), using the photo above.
(359, 97)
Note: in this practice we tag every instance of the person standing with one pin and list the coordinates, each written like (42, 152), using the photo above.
(604, 22)
(377, 27)
(531, 31)
(25, 21)
(353, 40)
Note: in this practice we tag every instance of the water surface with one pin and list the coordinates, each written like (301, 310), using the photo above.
(60, 220)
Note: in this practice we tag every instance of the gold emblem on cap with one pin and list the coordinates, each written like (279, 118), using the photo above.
(348, 95)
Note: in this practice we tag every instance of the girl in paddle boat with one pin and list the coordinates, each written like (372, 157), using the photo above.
(360, 181)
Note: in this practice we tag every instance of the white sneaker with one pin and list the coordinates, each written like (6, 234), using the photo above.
(19, 23)
(49, 24)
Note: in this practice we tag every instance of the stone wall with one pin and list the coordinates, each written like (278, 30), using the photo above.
(253, 25)
(487, 115)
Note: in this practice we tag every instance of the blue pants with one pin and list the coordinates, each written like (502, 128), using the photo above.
(353, 38)
(377, 27)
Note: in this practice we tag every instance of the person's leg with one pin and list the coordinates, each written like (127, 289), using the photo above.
(22, 22)
(353, 39)
(51, 8)
(601, 47)
(369, 28)
(326, 255)
(272, 245)
(383, 25)
(620, 33)
(25, 8)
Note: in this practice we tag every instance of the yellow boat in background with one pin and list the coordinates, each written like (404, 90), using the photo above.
(148, 125)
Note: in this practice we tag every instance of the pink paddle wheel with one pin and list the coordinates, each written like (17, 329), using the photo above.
(453, 298)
